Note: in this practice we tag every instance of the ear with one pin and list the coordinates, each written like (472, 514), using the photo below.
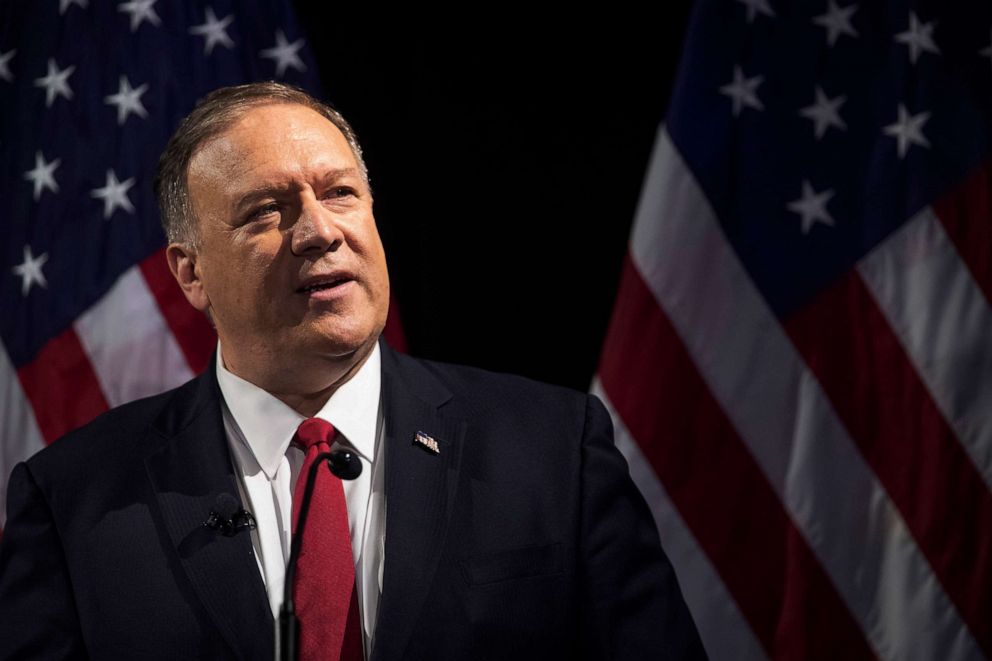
(185, 268)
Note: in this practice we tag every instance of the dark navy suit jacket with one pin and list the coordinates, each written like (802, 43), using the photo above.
(523, 538)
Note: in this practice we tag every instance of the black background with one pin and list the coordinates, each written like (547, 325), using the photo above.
(506, 160)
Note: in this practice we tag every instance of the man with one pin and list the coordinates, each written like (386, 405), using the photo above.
(493, 519)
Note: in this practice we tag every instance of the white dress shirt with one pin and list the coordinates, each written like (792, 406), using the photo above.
(259, 430)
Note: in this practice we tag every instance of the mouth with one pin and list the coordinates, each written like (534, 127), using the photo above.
(324, 282)
(321, 286)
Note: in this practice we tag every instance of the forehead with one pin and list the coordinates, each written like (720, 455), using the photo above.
(272, 141)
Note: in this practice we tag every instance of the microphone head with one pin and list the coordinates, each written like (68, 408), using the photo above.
(226, 505)
(345, 464)
(221, 514)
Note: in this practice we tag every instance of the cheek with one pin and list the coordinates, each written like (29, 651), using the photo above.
(371, 246)
(244, 276)
(251, 267)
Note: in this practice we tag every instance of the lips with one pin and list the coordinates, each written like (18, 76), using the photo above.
(324, 281)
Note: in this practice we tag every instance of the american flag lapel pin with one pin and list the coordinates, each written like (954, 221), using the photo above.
(426, 442)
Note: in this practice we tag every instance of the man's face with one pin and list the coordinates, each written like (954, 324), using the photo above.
(289, 264)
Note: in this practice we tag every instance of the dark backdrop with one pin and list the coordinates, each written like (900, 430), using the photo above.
(506, 161)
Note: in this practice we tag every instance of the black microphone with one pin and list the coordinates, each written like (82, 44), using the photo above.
(227, 517)
(346, 465)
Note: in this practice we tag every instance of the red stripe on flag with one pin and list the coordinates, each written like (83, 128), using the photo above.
(966, 213)
(717, 486)
(62, 387)
(877, 393)
(194, 334)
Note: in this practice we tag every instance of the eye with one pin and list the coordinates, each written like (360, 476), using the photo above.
(339, 192)
(264, 210)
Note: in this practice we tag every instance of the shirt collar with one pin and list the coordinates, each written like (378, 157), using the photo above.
(267, 424)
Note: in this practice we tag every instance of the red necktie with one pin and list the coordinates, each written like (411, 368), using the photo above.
(324, 589)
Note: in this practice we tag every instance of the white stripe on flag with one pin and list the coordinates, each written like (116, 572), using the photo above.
(131, 348)
(787, 422)
(724, 631)
(19, 434)
(940, 315)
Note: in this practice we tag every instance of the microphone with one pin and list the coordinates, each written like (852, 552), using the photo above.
(227, 517)
(346, 466)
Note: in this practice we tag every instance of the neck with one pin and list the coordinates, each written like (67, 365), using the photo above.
(305, 386)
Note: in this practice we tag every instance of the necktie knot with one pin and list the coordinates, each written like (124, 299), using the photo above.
(313, 431)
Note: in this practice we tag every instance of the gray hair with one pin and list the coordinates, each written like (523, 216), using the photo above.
(215, 113)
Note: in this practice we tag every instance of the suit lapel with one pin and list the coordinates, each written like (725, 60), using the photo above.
(192, 468)
(420, 489)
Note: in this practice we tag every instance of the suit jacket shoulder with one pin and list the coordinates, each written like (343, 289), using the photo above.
(112, 441)
(483, 397)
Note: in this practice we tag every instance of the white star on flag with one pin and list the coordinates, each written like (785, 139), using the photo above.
(755, 7)
(985, 52)
(127, 100)
(837, 21)
(5, 59)
(65, 4)
(812, 206)
(908, 130)
(743, 91)
(56, 82)
(140, 11)
(43, 175)
(285, 54)
(114, 195)
(214, 30)
(919, 38)
(825, 112)
(30, 270)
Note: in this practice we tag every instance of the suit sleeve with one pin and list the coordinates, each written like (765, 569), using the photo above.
(37, 610)
(632, 607)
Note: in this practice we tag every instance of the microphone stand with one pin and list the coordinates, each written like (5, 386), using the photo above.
(342, 464)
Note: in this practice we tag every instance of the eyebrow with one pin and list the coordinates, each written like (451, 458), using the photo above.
(255, 193)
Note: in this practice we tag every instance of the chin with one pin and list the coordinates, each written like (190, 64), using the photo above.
(339, 335)
(342, 344)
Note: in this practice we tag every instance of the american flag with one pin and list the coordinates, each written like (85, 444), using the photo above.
(90, 91)
(799, 364)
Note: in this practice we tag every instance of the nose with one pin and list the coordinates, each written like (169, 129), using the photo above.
(316, 231)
